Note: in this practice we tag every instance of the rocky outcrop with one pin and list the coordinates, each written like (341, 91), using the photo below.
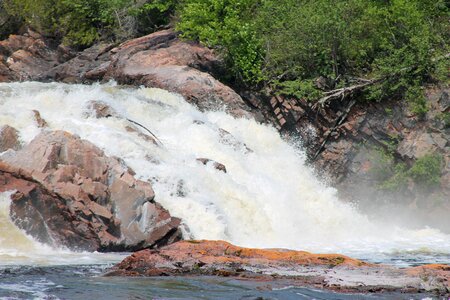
(358, 146)
(159, 60)
(87, 66)
(68, 192)
(331, 271)
(29, 56)
(216, 165)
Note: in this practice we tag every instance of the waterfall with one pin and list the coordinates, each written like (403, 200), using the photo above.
(269, 197)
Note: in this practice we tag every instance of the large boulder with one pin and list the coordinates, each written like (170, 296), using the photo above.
(68, 192)
(159, 60)
(162, 60)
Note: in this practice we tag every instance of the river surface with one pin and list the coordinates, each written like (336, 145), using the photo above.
(269, 197)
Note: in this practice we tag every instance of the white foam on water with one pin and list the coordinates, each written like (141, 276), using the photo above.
(267, 198)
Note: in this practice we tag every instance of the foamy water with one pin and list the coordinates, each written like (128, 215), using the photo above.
(268, 197)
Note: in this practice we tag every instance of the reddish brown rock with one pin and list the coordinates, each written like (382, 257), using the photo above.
(26, 57)
(162, 60)
(216, 165)
(100, 109)
(9, 138)
(331, 271)
(87, 66)
(69, 193)
(41, 123)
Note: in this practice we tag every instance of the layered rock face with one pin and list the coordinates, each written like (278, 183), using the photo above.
(69, 193)
(358, 146)
(301, 268)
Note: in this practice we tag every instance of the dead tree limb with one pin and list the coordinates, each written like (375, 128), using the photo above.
(148, 130)
(344, 92)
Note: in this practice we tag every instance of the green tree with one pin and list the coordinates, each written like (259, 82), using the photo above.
(228, 26)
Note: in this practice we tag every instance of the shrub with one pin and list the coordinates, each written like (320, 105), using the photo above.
(228, 26)
(426, 171)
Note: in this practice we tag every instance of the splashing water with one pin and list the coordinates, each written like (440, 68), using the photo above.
(268, 197)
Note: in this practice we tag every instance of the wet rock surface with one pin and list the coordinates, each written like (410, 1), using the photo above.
(68, 192)
(9, 138)
(330, 271)
(215, 164)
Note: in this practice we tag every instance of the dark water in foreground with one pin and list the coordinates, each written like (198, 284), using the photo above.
(85, 282)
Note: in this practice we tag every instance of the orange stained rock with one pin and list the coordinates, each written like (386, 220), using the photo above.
(220, 251)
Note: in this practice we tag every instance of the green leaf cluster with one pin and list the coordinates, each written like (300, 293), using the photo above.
(227, 25)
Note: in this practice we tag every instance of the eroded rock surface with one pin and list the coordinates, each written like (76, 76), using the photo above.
(162, 60)
(302, 268)
(68, 192)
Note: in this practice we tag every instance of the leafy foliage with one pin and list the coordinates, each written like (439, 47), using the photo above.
(227, 25)
(343, 40)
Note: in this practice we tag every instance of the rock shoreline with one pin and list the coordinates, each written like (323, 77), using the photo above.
(299, 268)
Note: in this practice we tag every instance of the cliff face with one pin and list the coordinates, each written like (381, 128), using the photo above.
(379, 155)
(368, 150)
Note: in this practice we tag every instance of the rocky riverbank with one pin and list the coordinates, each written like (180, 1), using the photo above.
(299, 268)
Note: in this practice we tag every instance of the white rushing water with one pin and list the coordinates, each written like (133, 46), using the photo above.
(267, 198)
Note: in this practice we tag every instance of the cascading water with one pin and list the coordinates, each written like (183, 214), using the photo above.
(268, 197)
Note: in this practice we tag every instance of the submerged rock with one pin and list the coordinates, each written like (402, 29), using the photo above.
(301, 268)
(69, 193)
(216, 165)
(100, 109)
(41, 123)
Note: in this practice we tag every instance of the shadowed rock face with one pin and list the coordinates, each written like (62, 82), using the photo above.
(69, 193)
(29, 57)
(331, 271)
